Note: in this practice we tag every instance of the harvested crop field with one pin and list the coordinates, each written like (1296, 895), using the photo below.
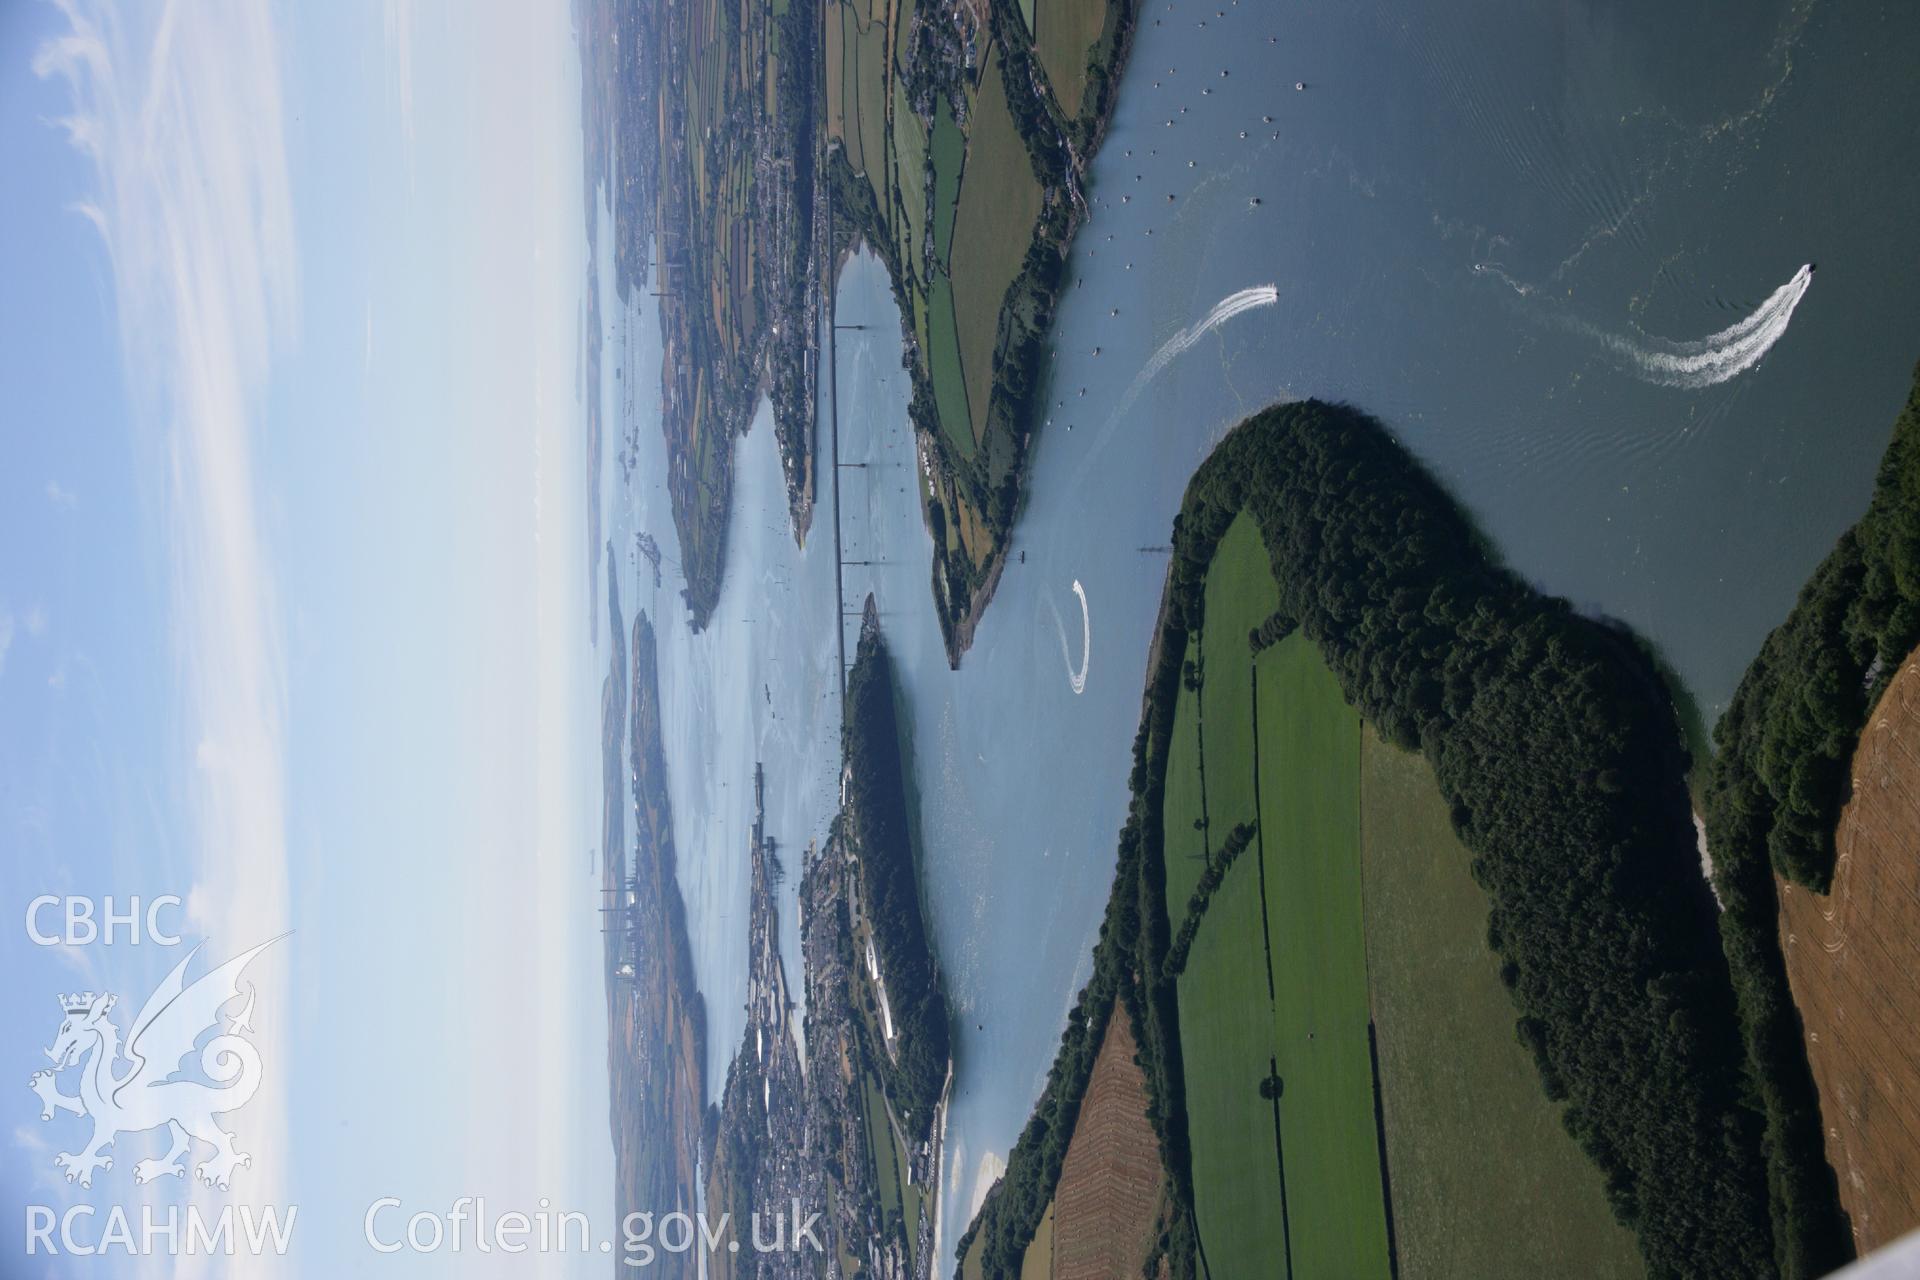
(1853, 959)
(1105, 1207)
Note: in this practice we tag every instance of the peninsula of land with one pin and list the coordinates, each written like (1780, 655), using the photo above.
(1408, 966)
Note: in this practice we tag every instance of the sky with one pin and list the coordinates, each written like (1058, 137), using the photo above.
(293, 623)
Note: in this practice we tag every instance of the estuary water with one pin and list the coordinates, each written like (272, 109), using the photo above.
(756, 688)
(1634, 280)
(1566, 253)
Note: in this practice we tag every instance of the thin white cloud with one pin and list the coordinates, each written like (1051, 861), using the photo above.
(6, 639)
(58, 494)
(36, 621)
(180, 110)
(398, 17)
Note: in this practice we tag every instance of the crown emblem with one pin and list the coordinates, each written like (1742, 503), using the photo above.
(78, 1002)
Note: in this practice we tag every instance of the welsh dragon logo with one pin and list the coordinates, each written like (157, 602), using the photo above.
(151, 1091)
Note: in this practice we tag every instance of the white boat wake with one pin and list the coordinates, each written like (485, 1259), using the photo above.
(1078, 679)
(1713, 359)
(1227, 308)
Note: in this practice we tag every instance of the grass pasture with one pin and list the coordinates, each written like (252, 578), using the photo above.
(1485, 1180)
(1066, 35)
(872, 85)
(850, 132)
(970, 1268)
(857, 89)
(1240, 596)
(1309, 764)
(999, 205)
(1038, 1262)
(1226, 1040)
(887, 1174)
(943, 360)
(1383, 989)
(910, 175)
(902, 25)
(1184, 804)
(891, 1163)
(949, 148)
(1294, 897)
(870, 93)
(836, 81)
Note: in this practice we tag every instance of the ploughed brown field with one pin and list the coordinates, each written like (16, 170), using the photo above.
(1106, 1208)
(1853, 959)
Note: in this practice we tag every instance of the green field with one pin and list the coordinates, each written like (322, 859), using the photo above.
(834, 38)
(1312, 1023)
(884, 1150)
(910, 175)
(919, 297)
(943, 360)
(1226, 1039)
(1240, 596)
(1067, 31)
(949, 147)
(858, 87)
(902, 26)
(913, 1200)
(1310, 841)
(853, 73)
(1485, 1180)
(1371, 912)
(999, 205)
(898, 1194)
(1184, 804)
(869, 69)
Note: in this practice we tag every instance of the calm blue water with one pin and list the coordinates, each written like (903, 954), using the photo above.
(1506, 229)
(757, 687)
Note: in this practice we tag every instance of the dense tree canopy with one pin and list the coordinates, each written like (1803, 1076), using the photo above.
(1786, 740)
(1555, 741)
(1773, 801)
(879, 827)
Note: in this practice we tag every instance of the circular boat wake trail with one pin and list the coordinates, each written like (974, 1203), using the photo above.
(1720, 357)
(1078, 679)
